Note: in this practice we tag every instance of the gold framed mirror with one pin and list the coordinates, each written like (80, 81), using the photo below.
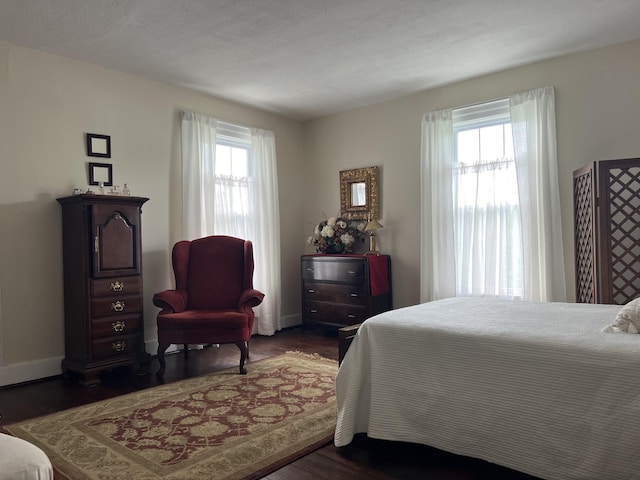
(359, 199)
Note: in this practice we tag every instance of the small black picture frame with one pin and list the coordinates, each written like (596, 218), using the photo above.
(100, 172)
(98, 145)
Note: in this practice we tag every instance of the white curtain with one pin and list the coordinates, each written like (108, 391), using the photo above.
(438, 263)
(198, 135)
(533, 123)
(488, 230)
(241, 207)
(266, 242)
(534, 136)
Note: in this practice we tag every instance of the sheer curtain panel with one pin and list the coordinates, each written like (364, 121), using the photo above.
(266, 242)
(533, 121)
(217, 200)
(438, 262)
(198, 137)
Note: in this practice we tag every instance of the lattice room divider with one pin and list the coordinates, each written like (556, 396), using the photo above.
(607, 231)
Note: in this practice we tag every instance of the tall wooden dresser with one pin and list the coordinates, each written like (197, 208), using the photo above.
(102, 255)
(340, 290)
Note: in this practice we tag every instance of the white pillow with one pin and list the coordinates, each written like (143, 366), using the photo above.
(627, 320)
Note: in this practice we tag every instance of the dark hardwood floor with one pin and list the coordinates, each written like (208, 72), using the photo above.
(363, 459)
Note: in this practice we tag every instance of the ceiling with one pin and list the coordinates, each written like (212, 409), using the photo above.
(309, 58)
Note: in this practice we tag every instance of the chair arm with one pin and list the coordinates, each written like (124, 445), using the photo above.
(249, 299)
(171, 301)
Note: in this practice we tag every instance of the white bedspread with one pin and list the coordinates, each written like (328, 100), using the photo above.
(536, 387)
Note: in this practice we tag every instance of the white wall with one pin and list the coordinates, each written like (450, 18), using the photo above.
(597, 111)
(47, 104)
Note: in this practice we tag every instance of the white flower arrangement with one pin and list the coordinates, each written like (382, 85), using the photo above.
(336, 235)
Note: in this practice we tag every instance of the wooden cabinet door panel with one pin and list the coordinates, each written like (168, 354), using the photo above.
(116, 245)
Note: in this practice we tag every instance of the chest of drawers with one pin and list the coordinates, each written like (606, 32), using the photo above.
(339, 290)
(102, 284)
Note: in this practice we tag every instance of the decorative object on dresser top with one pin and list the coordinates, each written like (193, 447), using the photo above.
(533, 386)
(607, 231)
(215, 426)
(336, 235)
(339, 290)
(371, 227)
(102, 258)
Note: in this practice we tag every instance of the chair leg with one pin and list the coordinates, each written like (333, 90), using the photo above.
(161, 349)
(244, 350)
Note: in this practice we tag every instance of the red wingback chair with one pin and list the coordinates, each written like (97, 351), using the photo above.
(214, 296)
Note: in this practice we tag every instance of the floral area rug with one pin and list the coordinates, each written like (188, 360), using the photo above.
(218, 426)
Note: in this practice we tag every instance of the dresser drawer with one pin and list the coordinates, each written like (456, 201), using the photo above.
(334, 292)
(331, 313)
(344, 271)
(115, 326)
(115, 346)
(115, 286)
(120, 305)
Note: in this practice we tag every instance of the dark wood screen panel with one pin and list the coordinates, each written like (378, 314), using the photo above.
(584, 194)
(620, 229)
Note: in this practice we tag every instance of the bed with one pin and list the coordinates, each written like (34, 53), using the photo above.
(535, 387)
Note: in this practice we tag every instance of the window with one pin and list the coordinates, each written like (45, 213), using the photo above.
(490, 216)
(487, 222)
(233, 174)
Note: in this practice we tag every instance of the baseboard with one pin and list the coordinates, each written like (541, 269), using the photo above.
(291, 320)
(29, 371)
(50, 367)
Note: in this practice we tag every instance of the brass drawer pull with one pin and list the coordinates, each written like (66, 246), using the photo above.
(311, 291)
(119, 346)
(117, 286)
(314, 311)
(354, 295)
(352, 272)
(118, 326)
(117, 306)
(351, 316)
(309, 269)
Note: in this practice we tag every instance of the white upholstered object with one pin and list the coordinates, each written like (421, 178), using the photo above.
(20, 460)
(627, 320)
